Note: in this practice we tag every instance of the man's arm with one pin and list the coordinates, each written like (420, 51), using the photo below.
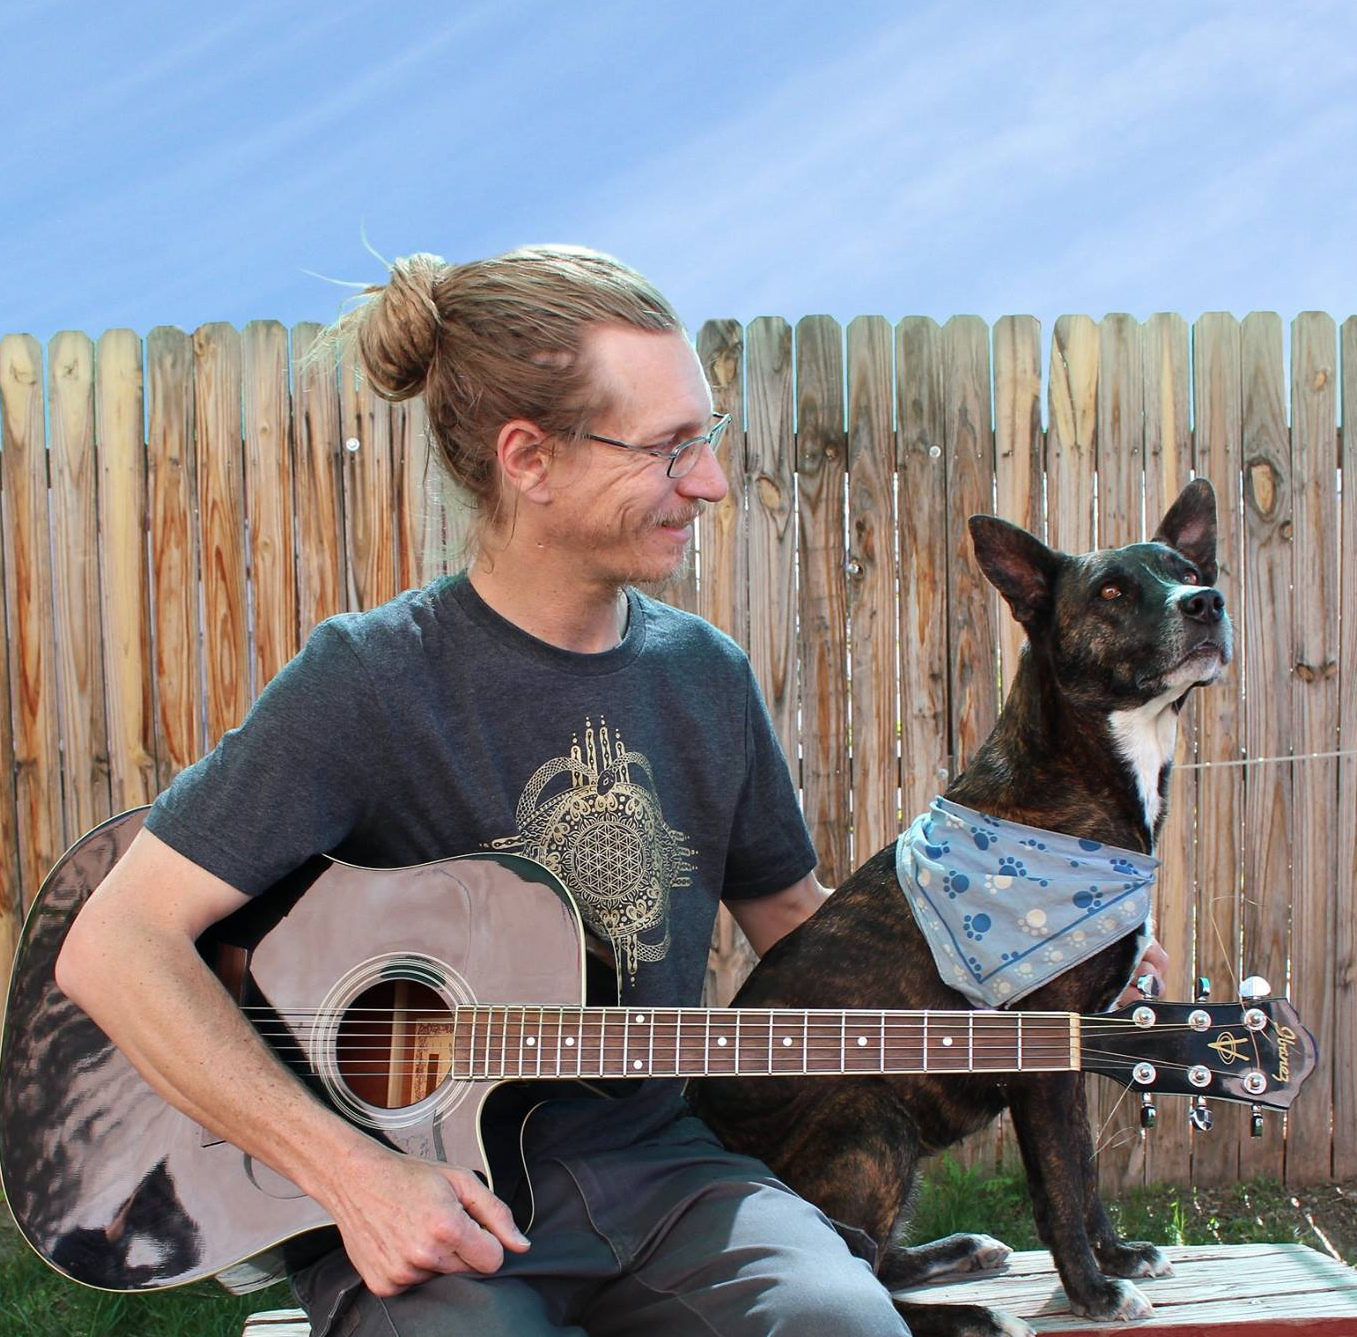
(130, 962)
(765, 919)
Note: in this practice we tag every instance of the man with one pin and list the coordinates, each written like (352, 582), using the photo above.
(564, 396)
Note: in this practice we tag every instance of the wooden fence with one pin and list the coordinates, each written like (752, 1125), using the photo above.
(177, 514)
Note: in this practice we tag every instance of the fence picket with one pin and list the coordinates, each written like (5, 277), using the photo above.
(1019, 447)
(1345, 936)
(722, 530)
(268, 498)
(317, 471)
(221, 520)
(32, 639)
(1168, 466)
(79, 650)
(873, 569)
(1120, 416)
(1072, 434)
(365, 422)
(171, 464)
(924, 675)
(1315, 718)
(126, 596)
(1215, 1155)
(1262, 661)
(820, 465)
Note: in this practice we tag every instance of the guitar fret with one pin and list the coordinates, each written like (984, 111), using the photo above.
(881, 1042)
(805, 1042)
(970, 1041)
(925, 1041)
(843, 1041)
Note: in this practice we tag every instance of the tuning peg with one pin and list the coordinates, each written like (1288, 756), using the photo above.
(1200, 1115)
(1254, 988)
(1203, 990)
(1149, 986)
(1149, 1113)
(1256, 1121)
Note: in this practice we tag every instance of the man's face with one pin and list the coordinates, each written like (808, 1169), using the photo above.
(618, 512)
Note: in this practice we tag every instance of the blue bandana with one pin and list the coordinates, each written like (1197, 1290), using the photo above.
(1007, 907)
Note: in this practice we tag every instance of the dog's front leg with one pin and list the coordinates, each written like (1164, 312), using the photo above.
(1117, 1257)
(1051, 1120)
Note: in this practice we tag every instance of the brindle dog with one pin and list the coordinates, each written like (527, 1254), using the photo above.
(1115, 641)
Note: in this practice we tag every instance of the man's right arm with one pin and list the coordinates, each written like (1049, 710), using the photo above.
(130, 961)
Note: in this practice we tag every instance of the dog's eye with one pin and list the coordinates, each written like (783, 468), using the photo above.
(1110, 591)
(1191, 578)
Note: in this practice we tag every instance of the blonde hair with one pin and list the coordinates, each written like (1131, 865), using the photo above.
(492, 340)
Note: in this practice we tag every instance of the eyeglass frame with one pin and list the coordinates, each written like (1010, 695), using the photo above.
(711, 437)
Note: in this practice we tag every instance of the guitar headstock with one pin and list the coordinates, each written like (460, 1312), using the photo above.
(1255, 1052)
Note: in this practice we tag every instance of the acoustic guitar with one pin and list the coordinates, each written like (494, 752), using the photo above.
(404, 997)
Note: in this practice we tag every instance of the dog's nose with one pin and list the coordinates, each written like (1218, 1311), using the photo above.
(1205, 606)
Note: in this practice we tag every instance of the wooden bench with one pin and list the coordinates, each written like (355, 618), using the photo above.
(1259, 1290)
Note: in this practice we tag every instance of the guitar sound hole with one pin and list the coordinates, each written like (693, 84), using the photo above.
(394, 1043)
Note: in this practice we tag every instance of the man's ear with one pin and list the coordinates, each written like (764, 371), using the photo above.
(524, 453)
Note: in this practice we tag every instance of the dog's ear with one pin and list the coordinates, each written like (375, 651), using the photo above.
(1190, 527)
(1022, 568)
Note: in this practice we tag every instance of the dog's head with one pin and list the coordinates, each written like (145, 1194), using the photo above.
(1120, 627)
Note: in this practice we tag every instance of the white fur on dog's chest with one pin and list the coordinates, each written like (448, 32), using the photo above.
(1145, 738)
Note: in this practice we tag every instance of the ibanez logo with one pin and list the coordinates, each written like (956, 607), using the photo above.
(1286, 1037)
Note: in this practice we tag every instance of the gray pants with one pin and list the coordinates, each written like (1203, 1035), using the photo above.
(727, 1251)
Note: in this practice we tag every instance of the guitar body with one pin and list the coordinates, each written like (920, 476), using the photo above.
(118, 1190)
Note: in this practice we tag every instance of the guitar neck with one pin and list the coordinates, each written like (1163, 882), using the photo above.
(496, 1043)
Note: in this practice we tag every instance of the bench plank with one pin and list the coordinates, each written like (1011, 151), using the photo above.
(1264, 1290)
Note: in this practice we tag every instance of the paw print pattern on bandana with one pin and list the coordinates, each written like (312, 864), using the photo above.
(956, 884)
(1034, 923)
(1091, 899)
(977, 926)
(1011, 867)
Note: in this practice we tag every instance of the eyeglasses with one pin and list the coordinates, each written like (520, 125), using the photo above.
(682, 457)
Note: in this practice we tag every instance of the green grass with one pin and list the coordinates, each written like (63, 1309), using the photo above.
(955, 1199)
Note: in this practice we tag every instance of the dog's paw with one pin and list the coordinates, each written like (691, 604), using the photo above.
(912, 1266)
(1113, 1302)
(977, 1253)
(1133, 1258)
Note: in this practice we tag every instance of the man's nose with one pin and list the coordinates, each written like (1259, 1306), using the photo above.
(707, 480)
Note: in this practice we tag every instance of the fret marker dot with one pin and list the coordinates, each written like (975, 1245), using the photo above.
(946, 1041)
(531, 1040)
(569, 1041)
(862, 1040)
(721, 1040)
(640, 1018)
(637, 1064)
(787, 1041)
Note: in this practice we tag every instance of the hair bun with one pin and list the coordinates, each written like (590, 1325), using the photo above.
(398, 327)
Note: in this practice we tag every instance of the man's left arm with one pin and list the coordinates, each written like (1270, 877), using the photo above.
(765, 919)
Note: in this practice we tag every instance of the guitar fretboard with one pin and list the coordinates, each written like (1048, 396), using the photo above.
(493, 1043)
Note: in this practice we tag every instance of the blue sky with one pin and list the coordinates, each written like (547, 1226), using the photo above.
(179, 163)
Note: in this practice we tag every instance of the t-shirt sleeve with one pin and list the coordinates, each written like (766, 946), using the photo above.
(770, 847)
(288, 783)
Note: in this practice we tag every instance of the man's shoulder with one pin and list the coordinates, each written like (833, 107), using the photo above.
(675, 630)
(409, 622)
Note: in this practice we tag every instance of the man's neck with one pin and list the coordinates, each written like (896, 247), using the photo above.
(585, 618)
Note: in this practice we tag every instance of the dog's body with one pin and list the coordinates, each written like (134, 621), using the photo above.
(1116, 640)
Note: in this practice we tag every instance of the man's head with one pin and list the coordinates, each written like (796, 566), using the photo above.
(501, 340)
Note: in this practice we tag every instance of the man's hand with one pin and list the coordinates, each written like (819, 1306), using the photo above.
(405, 1220)
(1154, 963)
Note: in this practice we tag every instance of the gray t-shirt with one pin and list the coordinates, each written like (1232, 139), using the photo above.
(647, 778)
